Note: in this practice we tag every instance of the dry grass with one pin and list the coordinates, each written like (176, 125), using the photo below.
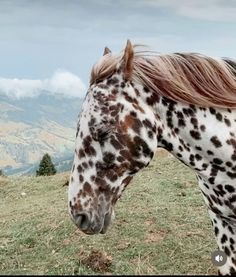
(161, 227)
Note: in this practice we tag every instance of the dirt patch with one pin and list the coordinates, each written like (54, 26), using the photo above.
(123, 244)
(155, 236)
(149, 222)
(97, 261)
(189, 184)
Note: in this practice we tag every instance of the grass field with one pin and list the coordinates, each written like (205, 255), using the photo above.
(161, 227)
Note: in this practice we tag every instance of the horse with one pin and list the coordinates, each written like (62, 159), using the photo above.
(138, 101)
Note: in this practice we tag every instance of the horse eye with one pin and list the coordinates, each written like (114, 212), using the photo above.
(99, 135)
(103, 134)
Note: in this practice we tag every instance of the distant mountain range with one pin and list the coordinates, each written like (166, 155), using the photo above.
(31, 127)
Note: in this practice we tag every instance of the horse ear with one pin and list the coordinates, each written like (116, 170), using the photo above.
(127, 61)
(106, 51)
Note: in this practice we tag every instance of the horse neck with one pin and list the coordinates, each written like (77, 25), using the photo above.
(180, 129)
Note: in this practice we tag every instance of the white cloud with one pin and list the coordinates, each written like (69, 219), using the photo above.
(211, 10)
(62, 82)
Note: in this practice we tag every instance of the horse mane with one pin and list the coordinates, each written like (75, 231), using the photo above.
(184, 77)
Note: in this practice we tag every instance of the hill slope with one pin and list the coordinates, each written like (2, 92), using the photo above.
(161, 227)
(31, 127)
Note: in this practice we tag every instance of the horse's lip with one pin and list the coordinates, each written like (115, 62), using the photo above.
(107, 221)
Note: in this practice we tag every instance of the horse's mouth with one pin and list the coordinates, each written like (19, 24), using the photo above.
(102, 229)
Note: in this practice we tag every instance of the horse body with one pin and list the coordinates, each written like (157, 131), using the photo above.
(207, 144)
(123, 121)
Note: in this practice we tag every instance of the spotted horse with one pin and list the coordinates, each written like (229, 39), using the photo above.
(139, 100)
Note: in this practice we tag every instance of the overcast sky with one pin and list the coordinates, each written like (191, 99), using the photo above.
(45, 40)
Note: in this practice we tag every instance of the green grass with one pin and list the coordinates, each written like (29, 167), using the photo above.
(161, 227)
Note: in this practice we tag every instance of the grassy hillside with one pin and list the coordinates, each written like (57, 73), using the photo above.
(161, 227)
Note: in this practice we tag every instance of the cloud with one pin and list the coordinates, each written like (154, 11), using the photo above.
(211, 10)
(62, 82)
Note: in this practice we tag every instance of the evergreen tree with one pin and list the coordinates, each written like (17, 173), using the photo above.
(46, 167)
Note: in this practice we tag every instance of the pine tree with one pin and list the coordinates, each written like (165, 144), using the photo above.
(46, 167)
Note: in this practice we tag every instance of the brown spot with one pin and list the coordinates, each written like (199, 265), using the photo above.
(219, 116)
(226, 250)
(120, 159)
(233, 157)
(79, 168)
(232, 142)
(117, 145)
(147, 123)
(88, 148)
(194, 121)
(85, 165)
(181, 122)
(216, 141)
(77, 206)
(153, 99)
(111, 175)
(123, 245)
(203, 128)
(81, 178)
(81, 154)
(227, 122)
(229, 188)
(212, 110)
(195, 134)
(229, 164)
(108, 158)
(88, 188)
(101, 183)
(131, 122)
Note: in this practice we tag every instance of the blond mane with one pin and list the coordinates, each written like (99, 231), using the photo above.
(184, 77)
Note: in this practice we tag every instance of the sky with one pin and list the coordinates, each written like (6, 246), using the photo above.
(52, 44)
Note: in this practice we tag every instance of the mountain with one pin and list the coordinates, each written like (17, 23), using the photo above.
(31, 127)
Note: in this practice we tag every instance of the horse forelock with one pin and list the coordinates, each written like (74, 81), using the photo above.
(184, 77)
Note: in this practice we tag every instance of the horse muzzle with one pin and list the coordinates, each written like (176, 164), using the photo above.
(92, 225)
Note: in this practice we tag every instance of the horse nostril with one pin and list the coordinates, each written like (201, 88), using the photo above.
(82, 221)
